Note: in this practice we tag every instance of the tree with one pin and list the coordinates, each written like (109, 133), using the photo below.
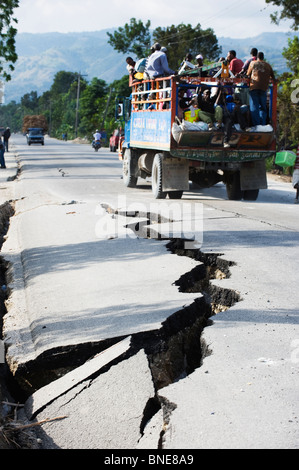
(133, 38)
(7, 37)
(92, 105)
(292, 55)
(290, 11)
(288, 97)
(181, 39)
(30, 102)
(62, 82)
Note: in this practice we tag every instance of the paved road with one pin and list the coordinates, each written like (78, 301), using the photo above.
(82, 277)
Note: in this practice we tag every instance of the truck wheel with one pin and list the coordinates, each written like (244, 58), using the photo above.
(175, 194)
(129, 177)
(251, 194)
(157, 177)
(233, 186)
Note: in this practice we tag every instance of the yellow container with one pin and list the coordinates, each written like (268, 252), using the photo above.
(191, 116)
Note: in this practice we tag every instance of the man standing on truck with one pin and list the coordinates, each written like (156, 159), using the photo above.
(157, 65)
(260, 73)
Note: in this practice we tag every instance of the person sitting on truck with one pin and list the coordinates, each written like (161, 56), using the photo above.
(184, 102)
(157, 65)
(151, 97)
(233, 113)
(209, 112)
(235, 64)
(199, 60)
(186, 64)
(130, 65)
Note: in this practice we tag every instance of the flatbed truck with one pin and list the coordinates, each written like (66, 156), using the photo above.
(150, 148)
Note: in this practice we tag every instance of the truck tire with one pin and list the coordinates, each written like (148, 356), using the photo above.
(251, 194)
(157, 177)
(233, 186)
(175, 194)
(129, 177)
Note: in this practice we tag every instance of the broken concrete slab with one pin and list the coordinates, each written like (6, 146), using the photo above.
(113, 404)
(89, 289)
(44, 396)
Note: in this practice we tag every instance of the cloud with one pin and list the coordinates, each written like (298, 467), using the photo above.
(233, 18)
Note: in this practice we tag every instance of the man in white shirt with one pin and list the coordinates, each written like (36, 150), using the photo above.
(157, 65)
(97, 135)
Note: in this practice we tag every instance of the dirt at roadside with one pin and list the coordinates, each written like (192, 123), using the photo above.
(278, 177)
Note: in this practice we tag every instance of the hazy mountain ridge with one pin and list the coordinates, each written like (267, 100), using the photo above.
(41, 56)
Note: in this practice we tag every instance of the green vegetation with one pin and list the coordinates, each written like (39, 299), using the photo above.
(95, 107)
(7, 38)
(289, 11)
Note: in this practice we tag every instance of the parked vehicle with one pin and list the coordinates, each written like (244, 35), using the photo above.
(157, 144)
(114, 140)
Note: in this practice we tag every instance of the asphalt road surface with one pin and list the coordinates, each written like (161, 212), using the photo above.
(85, 278)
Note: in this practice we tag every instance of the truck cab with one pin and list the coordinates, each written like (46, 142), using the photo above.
(160, 141)
(35, 135)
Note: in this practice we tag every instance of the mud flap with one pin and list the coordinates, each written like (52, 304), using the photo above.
(253, 175)
(175, 174)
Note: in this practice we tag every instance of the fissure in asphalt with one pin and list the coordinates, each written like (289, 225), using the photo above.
(174, 351)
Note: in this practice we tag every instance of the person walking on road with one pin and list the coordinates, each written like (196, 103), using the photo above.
(6, 136)
(2, 149)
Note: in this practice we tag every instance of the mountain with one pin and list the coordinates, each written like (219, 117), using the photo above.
(272, 44)
(41, 56)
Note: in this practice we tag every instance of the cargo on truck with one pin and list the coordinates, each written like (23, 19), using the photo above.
(35, 127)
(164, 144)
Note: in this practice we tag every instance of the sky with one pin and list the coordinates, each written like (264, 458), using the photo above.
(228, 18)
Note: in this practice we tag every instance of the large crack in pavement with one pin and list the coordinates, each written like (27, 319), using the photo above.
(172, 352)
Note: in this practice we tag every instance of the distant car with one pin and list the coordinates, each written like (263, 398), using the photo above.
(35, 135)
(113, 142)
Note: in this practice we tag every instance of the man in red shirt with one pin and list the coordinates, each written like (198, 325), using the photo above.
(235, 65)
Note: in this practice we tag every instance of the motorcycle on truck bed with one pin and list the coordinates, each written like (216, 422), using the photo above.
(157, 144)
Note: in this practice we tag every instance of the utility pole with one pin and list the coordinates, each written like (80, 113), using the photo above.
(107, 105)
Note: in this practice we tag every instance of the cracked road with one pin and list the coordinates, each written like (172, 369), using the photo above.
(110, 341)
